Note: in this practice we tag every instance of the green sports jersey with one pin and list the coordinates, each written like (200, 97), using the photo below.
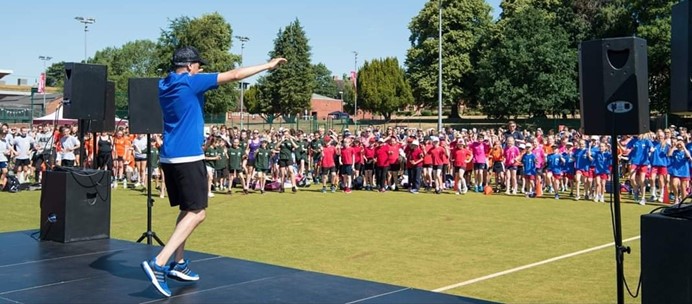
(154, 163)
(316, 146)
(223, 161)
(243, 145)
(302, 150)
(210, 152)
(235, 158)
(262, 158)
(285, 150)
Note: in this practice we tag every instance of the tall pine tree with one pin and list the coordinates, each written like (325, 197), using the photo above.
(382, 87)
(288, 90)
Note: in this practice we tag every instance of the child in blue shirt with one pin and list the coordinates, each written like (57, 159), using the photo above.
(555, 163)
(602, 163)
(529, 163)
(679, 168)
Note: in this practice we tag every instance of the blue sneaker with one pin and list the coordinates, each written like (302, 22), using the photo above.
(181, 272)
(157, 275)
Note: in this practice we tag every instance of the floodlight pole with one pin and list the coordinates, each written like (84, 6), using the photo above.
(355, 88)
(86, 22)
(439, 69)
(243, 40)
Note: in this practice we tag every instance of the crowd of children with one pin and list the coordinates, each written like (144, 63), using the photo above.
(561, 162)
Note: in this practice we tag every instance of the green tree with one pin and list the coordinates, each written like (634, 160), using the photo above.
(464, 22)
(528, 67)
(288, 90)
(348, 94)
(55, 74)
(653, 20)
(134, 59)
(325, 84)
(382, 87)
(211, 35)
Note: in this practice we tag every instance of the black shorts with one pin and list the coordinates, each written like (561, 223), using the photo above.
(395, 166)
(222, 173)
(498, 167)
(346, 170)
(445, 168)
(21, 162)
(104, 160)
(357, 167)
(480, 166)
(369, 166)
(328, 170)
(67, 162)
(283, 163)
(186, 184)
(427, 166)
(437, 167)
(235, 171)
(40, 158)
(250, 163)
(456, 169)
(265, 171)
(140, 159)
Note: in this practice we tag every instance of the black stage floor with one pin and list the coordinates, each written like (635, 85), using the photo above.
(108, 271)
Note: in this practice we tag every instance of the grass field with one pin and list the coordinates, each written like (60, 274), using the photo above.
(423, 241)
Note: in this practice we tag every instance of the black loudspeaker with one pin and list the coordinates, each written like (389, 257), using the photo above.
(613, 85)
(75, 205)
(666, 263)
(84, 92)
(681, 60)
(107, 124)
(144, 109)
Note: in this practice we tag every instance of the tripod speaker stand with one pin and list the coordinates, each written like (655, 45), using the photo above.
(146, 118)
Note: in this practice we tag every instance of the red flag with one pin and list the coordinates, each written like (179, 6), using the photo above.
(42, 83)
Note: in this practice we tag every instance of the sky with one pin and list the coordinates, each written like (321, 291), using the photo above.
(335, 29)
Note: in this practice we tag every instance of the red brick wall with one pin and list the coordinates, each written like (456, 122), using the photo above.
(324, 107)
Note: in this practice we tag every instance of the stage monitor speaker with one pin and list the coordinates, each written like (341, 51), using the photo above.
(84, 91)
(681, 60)
(107, 124)
(613, 85)
(144, 109)
(666, 264)
(75, 205)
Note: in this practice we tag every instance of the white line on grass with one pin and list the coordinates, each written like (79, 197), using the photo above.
(501, 273)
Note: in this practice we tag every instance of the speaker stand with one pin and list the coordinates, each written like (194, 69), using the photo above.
(149, 234)
(620, 250)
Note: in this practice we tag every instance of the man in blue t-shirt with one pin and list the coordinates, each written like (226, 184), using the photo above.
(181, 95)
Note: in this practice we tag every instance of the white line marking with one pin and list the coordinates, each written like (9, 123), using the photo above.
(494, 275)
(379, 295)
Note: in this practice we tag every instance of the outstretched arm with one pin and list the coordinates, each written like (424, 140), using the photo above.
(244, 72)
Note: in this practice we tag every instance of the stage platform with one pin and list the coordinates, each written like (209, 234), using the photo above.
(108, 271)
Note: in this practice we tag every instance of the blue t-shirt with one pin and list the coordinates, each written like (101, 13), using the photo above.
(602, 162)
(581, 160)
(568, 165)
(639, 151)
(529, 162)
(659, 158)
(555, 163)
(679, 164)
(182, 103)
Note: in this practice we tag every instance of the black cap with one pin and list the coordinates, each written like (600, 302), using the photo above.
(187, 54)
